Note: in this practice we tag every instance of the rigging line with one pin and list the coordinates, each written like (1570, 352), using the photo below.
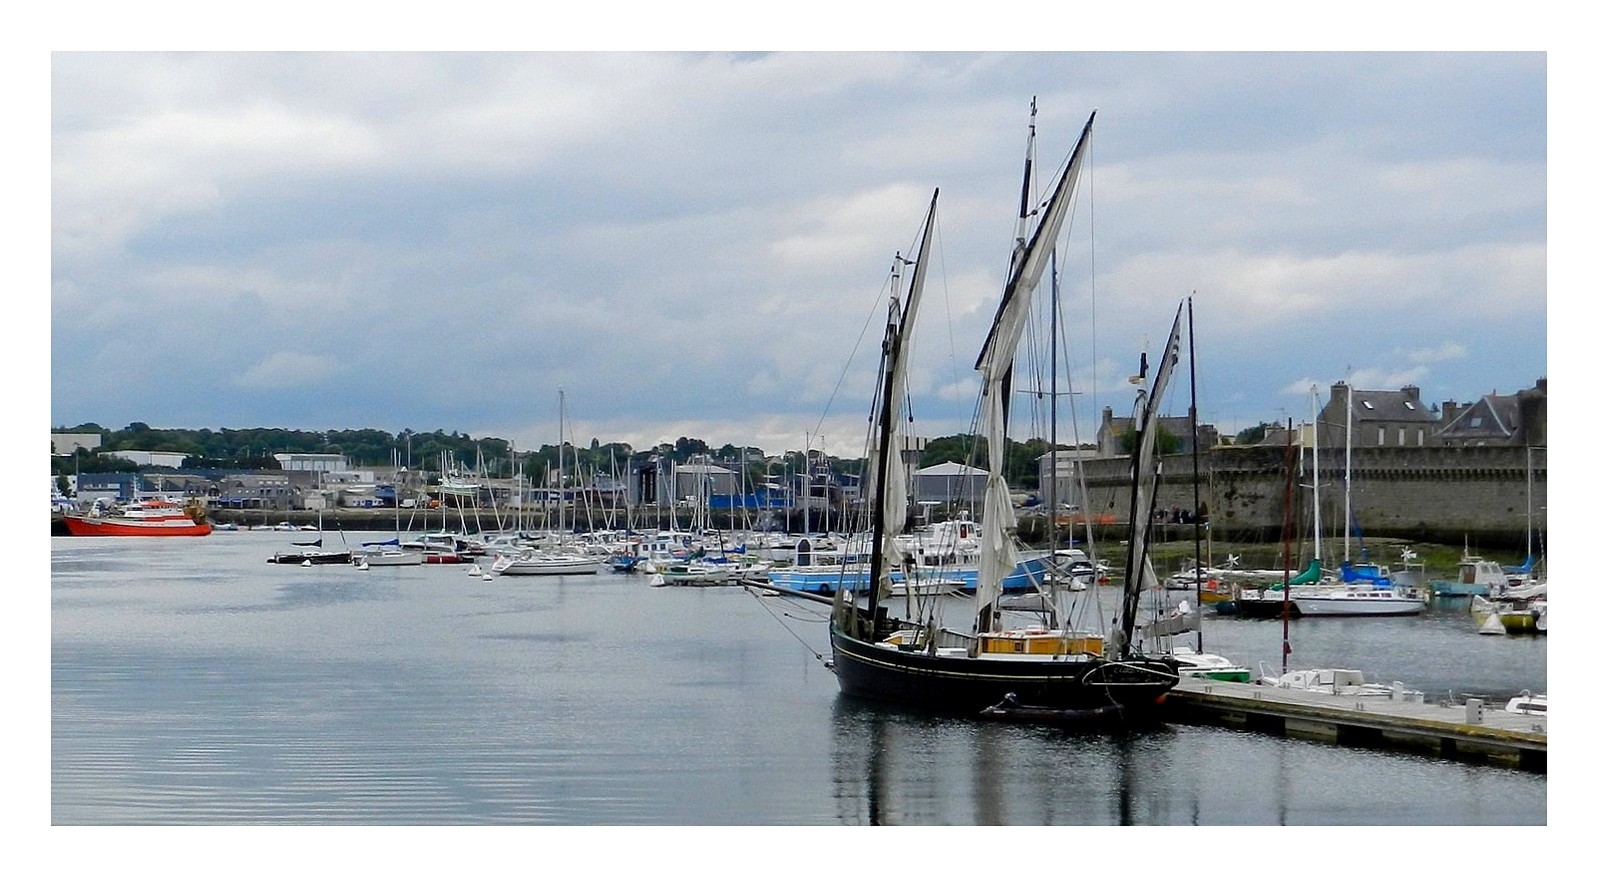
(813, 653)
(864, 327)
(1071, 393)
(1093, 282)
(948, 309)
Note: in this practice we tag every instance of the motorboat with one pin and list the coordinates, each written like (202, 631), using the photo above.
(1527, 704)
(1207, 665)
(1340, 682)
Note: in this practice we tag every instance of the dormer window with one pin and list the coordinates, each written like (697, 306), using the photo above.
(1368, 406)
(1409, 405)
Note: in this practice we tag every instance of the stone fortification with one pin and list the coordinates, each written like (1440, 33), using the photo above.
(1445, 495)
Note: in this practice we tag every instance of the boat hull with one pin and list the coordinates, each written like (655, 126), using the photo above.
(547, 567)
(315, 558)
(1353, 607)
(1458, 589)
(392, 558)
(84, 525)
(1311, 605)
(966, 685)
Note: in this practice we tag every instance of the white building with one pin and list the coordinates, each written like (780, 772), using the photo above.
(948, 482)
(312, 462)
(169, 459)
(65, 444)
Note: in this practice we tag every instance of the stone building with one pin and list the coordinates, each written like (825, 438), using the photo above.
(1380, 418)
(1113, 431)
(1519, 420)
(1058, 482)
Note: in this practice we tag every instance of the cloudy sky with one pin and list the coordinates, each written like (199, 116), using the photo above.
(698, 243)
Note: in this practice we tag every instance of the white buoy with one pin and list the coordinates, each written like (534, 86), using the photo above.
(305, 562)
(474, 570)
(1492, 626)
(363, 564)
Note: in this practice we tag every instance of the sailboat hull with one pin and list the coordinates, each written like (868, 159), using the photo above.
(966, 685)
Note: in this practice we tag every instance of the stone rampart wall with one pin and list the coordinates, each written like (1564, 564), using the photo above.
(1437, 494)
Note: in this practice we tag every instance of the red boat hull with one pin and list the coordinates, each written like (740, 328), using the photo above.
(89, 526)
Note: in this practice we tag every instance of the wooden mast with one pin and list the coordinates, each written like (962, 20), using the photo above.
(888, 435)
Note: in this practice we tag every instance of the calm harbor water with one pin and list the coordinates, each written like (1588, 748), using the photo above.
(192, 683)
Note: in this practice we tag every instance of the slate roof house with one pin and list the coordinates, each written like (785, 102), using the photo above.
(1518, 420)
(1381, 418)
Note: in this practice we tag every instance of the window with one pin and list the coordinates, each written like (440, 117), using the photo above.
(1420, 437)
(1410, 405)
(1368, 405)
(1381, 435)
(1401, 435)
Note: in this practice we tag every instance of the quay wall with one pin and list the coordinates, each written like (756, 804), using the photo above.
(1442, 495)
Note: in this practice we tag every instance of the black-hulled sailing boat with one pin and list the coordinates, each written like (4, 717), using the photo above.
(1032, 672)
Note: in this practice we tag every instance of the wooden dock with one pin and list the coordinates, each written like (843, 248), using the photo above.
(1466, 733)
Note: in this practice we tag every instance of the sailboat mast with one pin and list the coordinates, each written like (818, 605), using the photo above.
(1287, 545)
(1198, 523)
(1529, 554)
(1144, 478)
(996, 364)
(1054, 412)
(560, 473)
(1348, 466)
(1315, 461)
(891, 492)
(1028, 171)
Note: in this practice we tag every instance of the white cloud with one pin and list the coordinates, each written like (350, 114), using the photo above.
(702, 241)
(286, 370)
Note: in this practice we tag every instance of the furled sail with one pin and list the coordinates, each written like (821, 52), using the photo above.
(891, 497)
(1139, 573)
(997, 555)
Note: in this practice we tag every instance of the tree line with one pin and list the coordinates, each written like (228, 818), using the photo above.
(252, 449)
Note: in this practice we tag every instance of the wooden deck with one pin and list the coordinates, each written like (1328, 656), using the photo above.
(1445, 731)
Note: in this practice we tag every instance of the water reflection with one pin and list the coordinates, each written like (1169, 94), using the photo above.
(902, 766)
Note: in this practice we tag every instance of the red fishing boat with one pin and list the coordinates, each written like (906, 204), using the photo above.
(150, 517)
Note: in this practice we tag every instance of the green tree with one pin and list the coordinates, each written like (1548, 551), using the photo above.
(1255, 434)
(1164, 441)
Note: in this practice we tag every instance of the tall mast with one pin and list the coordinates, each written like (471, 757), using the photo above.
(560, 474)
(1315, 461)
(1144, 474)
(996, 363)
(1054, 403)
(1287, 545)
(1348, 465)
(1198, 524)
(1028, 171)
(891, 492)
